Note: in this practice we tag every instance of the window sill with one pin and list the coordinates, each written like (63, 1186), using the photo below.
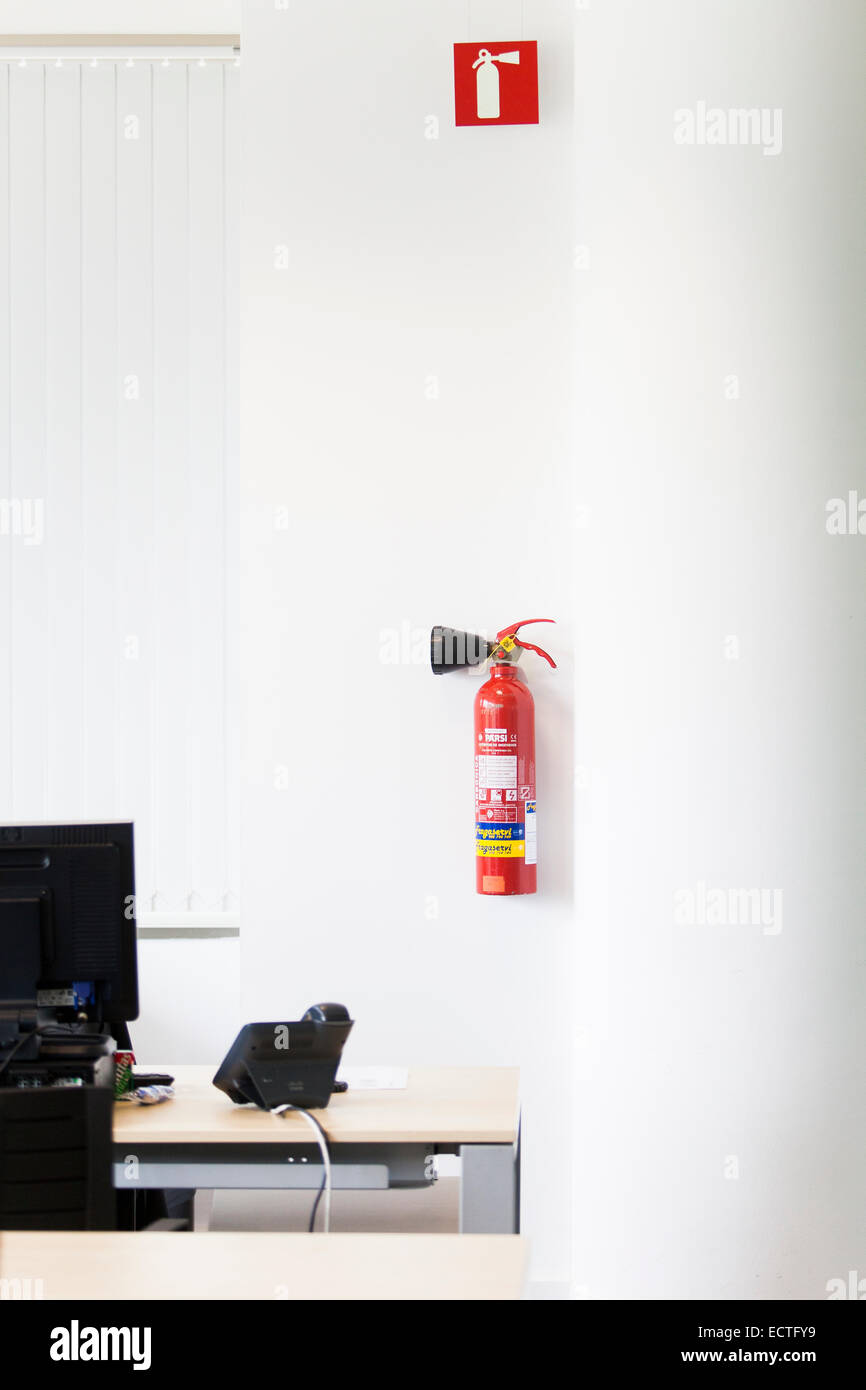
(167, 926)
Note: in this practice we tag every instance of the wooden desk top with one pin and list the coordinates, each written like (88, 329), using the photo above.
(439, 1105)
(180, 1265)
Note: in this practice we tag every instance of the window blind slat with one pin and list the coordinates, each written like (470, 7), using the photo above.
(133, 635)
(30, 659)
(206, 574)
(231, 537)
(100, 524)
(6, 543)
(64, 569)
(170, 512)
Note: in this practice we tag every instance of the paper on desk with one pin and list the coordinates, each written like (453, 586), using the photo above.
(375, 1078)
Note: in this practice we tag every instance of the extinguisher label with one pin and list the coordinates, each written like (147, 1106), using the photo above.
(485, 831)
(484, 812)
(504, 810)
(531, 842)
(498, 841)
(496, 770)
(507, 849)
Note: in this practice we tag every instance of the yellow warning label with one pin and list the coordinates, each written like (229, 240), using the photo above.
(499, 849)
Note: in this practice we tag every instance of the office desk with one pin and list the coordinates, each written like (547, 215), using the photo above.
(122, 1265)
(379, 1139)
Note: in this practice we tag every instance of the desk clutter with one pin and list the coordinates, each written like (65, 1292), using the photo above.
(146, 1095)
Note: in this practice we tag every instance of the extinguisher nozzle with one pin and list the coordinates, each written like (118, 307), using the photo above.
(452, 650)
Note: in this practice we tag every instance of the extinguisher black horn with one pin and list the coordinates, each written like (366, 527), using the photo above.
(452, 650)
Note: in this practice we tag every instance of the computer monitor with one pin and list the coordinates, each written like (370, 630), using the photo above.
(67, 921)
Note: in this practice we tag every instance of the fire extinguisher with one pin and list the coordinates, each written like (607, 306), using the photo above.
(505, 794)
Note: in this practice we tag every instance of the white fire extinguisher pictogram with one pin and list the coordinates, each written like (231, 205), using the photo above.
(487, 81)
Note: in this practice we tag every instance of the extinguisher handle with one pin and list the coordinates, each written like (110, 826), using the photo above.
(527, 646)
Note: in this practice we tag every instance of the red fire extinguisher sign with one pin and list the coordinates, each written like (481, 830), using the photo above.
(496, 83)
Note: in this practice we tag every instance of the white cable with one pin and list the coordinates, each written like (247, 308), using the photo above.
(322, 1142)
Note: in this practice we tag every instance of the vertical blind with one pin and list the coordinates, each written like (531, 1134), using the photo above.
(118, 452)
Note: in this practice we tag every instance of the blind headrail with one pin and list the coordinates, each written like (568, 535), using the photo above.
(120, 40)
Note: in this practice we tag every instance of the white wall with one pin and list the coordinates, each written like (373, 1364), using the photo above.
(407, 258)
(189, 991)
(707, 1047)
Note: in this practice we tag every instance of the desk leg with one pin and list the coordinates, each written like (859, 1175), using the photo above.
(202, 1206)
(490, 1189)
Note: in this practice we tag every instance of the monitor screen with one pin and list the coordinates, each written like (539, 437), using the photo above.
(67, 919)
